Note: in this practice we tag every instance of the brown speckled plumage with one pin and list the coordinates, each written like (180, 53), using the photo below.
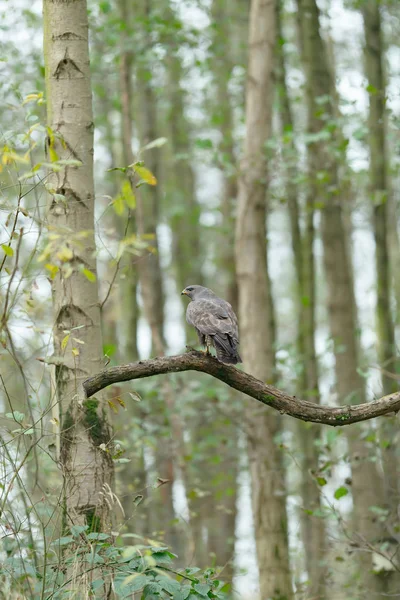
(215, 322)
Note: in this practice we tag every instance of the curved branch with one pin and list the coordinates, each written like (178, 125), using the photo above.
(247, 384)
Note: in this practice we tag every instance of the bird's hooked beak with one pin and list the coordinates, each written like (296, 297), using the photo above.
(184, 293)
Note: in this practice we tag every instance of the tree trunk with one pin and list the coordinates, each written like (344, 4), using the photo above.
(130, 284)
(270, 519)
(325, 190)
(86, 467)
(379, 188)
(313, 527)
(147, 217)
(223, 115)
(184, 219)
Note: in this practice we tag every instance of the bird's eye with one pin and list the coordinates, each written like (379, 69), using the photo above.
(190, 289)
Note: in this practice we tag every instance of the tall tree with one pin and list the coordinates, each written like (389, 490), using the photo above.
(313, 528)
(379, 189)
(325, 188)
(148, 200)
(129, 287)
(222, 66)
(255, 314)
(77, 329)
(184, 211)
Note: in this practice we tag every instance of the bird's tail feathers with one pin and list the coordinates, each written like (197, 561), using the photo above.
(226, 350)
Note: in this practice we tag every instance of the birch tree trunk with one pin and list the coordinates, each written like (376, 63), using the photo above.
(326, 191)
(86, 467)
(257, 336)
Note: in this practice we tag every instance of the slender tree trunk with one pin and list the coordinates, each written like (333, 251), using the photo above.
(268, 486)
(147, 218)
(379, 188)
(87, 468)
(313, 527)
(130, 284)
(325, 189)
(184, 219)
(223, 115)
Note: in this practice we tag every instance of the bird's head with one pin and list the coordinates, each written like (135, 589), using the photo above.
(194, 291)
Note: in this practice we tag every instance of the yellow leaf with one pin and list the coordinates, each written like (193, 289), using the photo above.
(128, 195)
(120, 401)
(55, 422)
(65, 254)
(118, 205)
(112, 406)
(52, 268)
(89, 275)
(65, 342)
(145, 174)
(7, 250)
(53, 154)
(78, 341)
(75, 351)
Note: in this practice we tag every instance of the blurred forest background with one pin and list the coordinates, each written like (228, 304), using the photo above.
(250, 147)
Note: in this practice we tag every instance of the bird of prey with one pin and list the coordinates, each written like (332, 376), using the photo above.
(215, 322)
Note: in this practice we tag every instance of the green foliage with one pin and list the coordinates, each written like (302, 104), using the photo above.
(141, 568)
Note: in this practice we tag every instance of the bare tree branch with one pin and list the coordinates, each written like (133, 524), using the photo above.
(249, 385)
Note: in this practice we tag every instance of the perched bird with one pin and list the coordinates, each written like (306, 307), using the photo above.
(215, 322)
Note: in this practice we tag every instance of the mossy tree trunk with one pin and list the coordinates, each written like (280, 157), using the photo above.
(87, 468)
(255, 315)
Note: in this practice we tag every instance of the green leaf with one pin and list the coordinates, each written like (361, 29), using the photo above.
(136, 582)
(183, 593)
(202, 588)
(97, 583)
(63, 541)
(152, 589)
(321, 481)
(204, 144)
(17, 416)
(155, 143)
(340, 492)
(76, 530)
(122, 169)
(98, 536)
(168, 584)
(109, 349)
(7, 250)
(28, 431)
